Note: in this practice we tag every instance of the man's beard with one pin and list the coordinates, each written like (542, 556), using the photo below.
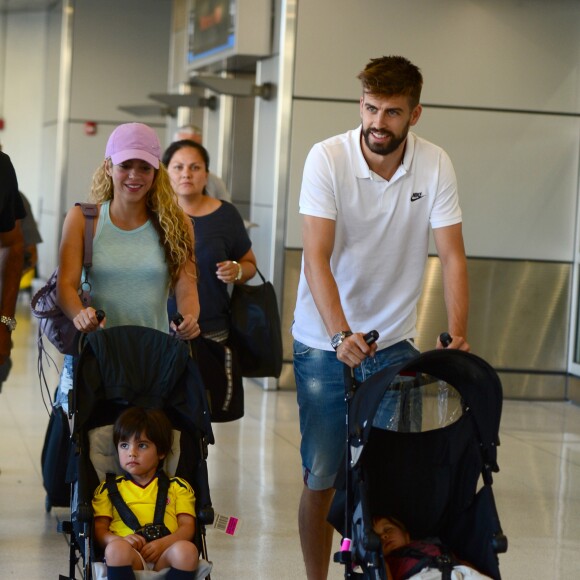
(389, 147)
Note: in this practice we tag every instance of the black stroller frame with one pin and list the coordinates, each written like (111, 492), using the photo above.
(134, 366)
(428, 480)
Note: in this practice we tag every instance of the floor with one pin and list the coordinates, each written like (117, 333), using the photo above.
(254, 471)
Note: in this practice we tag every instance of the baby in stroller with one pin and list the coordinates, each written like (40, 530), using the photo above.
(143, 439)
(437, 480)
(417, 559)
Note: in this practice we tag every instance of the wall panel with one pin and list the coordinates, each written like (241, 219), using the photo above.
(21, 100)
(133, 55)
(131, 40)
(517, 176)
(491, 53)
(518, 316)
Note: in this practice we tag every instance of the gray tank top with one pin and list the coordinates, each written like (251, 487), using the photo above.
(129, 277)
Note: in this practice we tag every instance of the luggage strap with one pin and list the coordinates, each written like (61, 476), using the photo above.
(90, 211)
(128, 517)
(444, 563)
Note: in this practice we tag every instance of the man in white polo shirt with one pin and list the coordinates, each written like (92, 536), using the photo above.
(369, 198)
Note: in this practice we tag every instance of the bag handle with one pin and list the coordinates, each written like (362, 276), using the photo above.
(261, 275)
(90, 211)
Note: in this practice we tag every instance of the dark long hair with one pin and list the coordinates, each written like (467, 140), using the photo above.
(177, 145)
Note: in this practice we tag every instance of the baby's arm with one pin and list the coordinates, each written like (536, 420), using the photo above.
(152, 551)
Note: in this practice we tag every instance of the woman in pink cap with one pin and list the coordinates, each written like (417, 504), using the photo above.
(142, 243)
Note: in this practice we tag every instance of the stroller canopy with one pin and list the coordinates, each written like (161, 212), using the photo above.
(143, 366)
(474, 379)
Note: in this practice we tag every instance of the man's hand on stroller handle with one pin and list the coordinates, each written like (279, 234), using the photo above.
(445, 340)
(356, 347)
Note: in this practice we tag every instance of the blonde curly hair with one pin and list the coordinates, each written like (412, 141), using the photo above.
(165, 213)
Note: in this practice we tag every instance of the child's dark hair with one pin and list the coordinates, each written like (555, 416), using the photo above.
(392, 520)
(392, 75)
(153, 423)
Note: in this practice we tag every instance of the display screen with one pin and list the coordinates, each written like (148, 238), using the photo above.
(212, 29)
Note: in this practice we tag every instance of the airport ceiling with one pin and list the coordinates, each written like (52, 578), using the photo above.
(27, 5)
(22, 5)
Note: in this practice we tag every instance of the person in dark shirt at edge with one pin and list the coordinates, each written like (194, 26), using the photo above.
(11, 257)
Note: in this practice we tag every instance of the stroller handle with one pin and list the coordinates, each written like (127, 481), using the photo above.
(344, 556)
(100, 315)
(177, 319)
(371, 337)
(445, 339)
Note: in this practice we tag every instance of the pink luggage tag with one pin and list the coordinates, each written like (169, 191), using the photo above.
(227, 524)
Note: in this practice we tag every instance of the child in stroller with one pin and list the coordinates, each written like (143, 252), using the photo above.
(143, 439)
(417, 559)
(120, 368)
(437, 480)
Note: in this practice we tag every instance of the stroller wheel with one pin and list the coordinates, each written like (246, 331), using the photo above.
(47, 504)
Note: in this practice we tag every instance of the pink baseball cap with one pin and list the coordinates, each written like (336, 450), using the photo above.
(134, 141)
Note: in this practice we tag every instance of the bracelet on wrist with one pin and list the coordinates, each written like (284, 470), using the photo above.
(240, 271)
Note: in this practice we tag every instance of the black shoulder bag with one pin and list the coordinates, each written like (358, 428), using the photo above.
(255, 329)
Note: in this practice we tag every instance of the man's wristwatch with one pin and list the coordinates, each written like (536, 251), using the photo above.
(9, 322)
(338, 338)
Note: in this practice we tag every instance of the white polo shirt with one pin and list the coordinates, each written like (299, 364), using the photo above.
(381, 235)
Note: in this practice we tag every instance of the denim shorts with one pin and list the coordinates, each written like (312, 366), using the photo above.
(66, 382)
(320, 393)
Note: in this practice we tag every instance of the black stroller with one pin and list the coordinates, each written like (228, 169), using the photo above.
(424, 466)
(117, 368)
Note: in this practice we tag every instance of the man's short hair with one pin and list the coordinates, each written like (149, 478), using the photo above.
(392, 75)
(192, 132)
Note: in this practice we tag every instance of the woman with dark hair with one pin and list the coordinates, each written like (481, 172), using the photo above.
(223, 249)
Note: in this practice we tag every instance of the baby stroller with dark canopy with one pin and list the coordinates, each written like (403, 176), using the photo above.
(133, 366)
(429, 466)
